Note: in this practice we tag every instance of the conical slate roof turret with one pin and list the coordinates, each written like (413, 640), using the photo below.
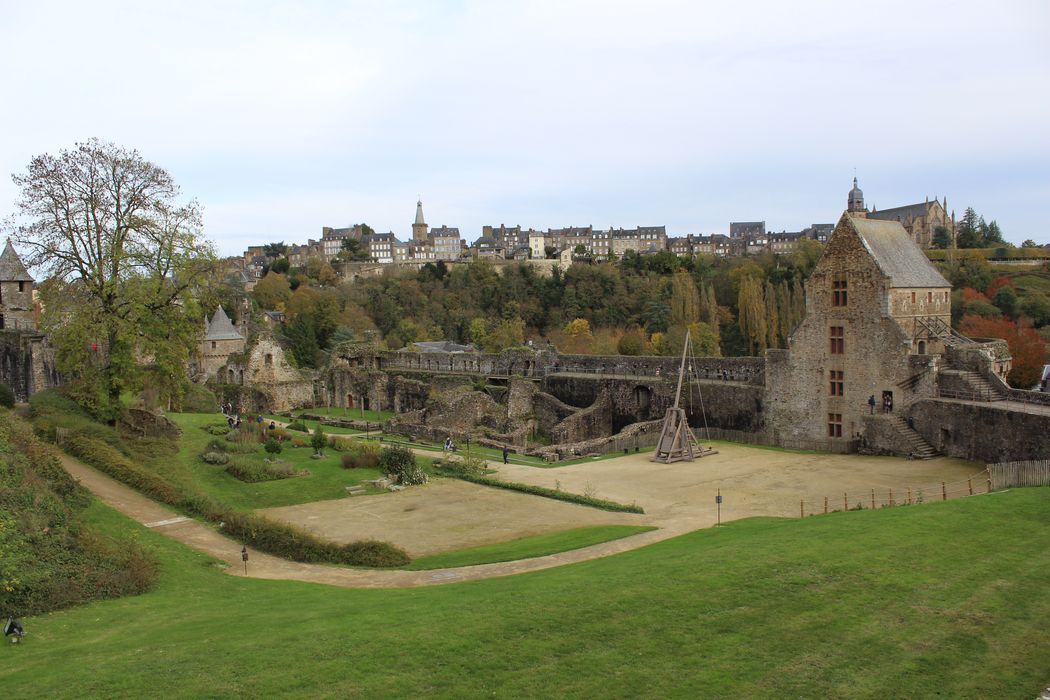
(221, 328)
(419, 213)
(11, 267)
(855, 202)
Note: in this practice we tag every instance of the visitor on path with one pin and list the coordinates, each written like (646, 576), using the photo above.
(887, 404)
(14, 629)
(259, 419)
(272, 425)
(871, 404)
(449, 445)
(505, 453)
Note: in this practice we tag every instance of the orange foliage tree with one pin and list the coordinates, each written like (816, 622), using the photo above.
(1026, 347)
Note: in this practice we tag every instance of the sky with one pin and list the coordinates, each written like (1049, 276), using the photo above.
(283, 117)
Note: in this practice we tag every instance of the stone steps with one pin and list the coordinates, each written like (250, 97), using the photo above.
(355, 490)
(919, 448)
(982, 387)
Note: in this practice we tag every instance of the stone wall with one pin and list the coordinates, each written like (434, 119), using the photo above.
(986, 432)
(595, 421)
(276, 385)
(27, 363)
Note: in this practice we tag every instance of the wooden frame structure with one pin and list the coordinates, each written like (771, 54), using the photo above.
(677, 442)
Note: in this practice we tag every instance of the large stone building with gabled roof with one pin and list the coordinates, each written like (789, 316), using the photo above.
(877, 319)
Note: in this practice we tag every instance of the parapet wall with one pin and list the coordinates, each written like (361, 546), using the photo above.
(985, 432)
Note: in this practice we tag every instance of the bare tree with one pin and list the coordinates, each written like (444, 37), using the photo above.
(124, 259)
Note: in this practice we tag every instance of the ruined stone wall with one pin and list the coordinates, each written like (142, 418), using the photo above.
(750, 370)
(277, 385)
(212, 359)
(592, 422)
(27, 363)
(985, 432)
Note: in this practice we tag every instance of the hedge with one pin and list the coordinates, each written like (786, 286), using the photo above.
(543, 491)
(266, 535)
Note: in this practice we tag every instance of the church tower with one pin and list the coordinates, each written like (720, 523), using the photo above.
(855, 203)
(419, 227)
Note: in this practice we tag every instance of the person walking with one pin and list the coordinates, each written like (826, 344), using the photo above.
(871, 404)
(505, 453)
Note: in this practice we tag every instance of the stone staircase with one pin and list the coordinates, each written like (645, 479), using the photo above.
(918, 446)
(963, 384)
(983, 389)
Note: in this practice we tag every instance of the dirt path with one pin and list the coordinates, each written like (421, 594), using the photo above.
(206, 539)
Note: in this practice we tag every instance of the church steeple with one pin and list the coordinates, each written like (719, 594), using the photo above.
(419, 227)
(855, 202)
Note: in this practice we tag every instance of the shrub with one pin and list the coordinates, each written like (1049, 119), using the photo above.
(318, 440)
(215, 457)
(216, 429)
(400, 463)
(7, 397)
(252, 472)
(557, 494)
(107, 459)
(349, 460)
(299, 426)
(197, 399)
(273, 447)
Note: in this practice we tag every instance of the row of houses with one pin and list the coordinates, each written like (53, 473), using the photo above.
(574, 242)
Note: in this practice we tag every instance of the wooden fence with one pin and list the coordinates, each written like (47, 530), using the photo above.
(1013, 474)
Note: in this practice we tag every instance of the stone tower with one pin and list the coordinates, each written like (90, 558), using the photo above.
(855, 202)
(16, 292)
(419, 226)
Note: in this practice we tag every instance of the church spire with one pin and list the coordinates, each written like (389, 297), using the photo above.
(419, 226)
(855, 201)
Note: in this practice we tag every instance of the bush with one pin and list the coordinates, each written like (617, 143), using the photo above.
(197, 399)
(252, 472)
(273, 447)
(364, 456)
(400, 463)
(349, 460)
(7, 397)
(318, 440)
(215, 457)
(583, 500)
(107, 459)
(216, 429)
(299, 426)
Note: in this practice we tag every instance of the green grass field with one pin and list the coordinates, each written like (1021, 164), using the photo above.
(327, 478)
(939, 600)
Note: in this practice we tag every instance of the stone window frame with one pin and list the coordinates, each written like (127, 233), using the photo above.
(834, 425)
(836, 382)
(837, 336)
(839, 290)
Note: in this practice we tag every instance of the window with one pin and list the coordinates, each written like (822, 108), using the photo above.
(21, 287)
(913, 297)
(838, 340)
(835, 425)
(213, 344)
(929, 297)
(838, 290)
(836, 382)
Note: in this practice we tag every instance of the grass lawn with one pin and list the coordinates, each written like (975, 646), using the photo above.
(327, 478)
(527, 547)
(944, 599)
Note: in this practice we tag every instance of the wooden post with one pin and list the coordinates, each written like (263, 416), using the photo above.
(891, 498)
(944, 492)
(969, 483)
(909, 495)
(873, 499)
(989, 482)
(845, 501)
(802, 508)
(825, 505)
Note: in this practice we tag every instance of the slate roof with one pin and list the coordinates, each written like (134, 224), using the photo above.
(896, 254)
(221, 328)
(419, 214)
(11, 267)
(908, 211)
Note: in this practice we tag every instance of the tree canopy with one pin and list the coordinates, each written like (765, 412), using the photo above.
(126, 262)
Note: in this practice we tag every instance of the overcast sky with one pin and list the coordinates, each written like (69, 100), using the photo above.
(283, 117)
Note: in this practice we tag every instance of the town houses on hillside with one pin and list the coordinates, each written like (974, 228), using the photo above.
(361, 244)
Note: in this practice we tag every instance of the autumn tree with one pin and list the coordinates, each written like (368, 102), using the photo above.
(1026, 347)
(126, 262)
(751, 307)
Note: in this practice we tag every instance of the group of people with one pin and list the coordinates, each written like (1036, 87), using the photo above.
(887, 403)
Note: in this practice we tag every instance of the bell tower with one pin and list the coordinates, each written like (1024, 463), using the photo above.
(855, 202)
(419, 226)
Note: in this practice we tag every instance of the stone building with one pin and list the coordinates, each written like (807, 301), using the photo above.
(16, 292)
(221, 340)
(877, 315)
(920, 221)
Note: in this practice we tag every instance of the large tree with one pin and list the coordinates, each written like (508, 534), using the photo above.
(126, 266)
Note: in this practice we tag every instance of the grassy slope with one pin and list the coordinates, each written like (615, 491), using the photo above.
(946, 599)
(528, 547)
